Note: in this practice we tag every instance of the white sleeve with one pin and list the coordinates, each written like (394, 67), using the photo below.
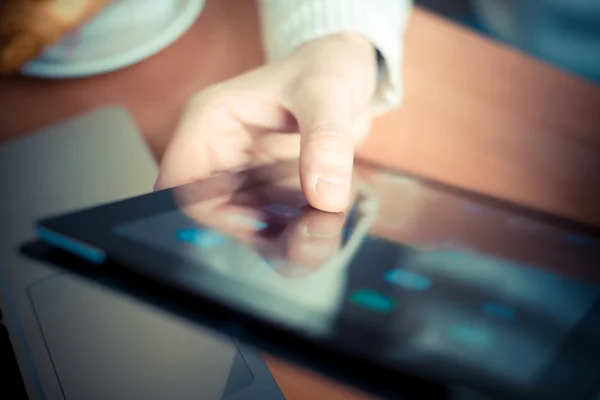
(288, 24)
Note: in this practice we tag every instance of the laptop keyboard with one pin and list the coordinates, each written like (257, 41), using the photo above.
(12, 382)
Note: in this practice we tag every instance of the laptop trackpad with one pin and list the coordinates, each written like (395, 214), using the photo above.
(107, 346)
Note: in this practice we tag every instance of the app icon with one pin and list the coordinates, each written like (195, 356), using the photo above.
(247, 222)
(283, 210)
(498, 310)
(469, 336)
(200, 237)
(408, 280)
(372, 300)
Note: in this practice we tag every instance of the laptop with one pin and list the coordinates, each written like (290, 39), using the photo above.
(72, 339)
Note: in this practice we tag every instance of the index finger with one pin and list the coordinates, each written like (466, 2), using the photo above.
(323, 108)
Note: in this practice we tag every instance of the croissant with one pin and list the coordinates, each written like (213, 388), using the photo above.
(28, 27)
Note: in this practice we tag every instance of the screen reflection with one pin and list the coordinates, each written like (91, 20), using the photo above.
(413, 272)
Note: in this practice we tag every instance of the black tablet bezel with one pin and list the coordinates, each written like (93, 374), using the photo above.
(94, 227)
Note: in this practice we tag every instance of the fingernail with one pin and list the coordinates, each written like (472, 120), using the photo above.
(332, 190)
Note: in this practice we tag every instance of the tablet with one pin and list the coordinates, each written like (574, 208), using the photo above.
(417, 288)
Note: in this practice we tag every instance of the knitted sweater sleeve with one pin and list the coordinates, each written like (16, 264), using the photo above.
(287, 24)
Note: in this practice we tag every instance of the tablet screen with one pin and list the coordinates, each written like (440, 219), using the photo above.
(427, 277)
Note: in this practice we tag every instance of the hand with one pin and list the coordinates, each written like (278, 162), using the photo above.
(294, 245)
(323, 90)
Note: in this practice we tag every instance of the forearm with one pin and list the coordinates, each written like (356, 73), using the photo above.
(287, 24)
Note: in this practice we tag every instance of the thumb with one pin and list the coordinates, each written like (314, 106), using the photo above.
(323, 110)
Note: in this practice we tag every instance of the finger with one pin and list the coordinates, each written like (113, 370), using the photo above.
(189, 156)
(313, 239)
(323, 109)
(362, 127)
(215, 133)
(309, 242)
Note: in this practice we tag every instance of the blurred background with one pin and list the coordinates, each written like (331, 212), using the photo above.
(564, 33)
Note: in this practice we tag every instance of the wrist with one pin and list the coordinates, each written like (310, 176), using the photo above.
(363, 46)
(352, 38)
(353, 45)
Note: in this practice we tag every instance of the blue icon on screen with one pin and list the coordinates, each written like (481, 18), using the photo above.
(408, 280)
(497, 310)
(372, 300)
(578, 240)
(200, 237)
(469, 336)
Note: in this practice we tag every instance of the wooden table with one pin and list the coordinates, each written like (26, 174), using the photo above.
(476, 115)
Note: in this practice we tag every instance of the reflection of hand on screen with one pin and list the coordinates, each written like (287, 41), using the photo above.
(275, 221)
(276, 242)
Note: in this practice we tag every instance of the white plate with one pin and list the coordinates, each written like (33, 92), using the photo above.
(127, 32)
